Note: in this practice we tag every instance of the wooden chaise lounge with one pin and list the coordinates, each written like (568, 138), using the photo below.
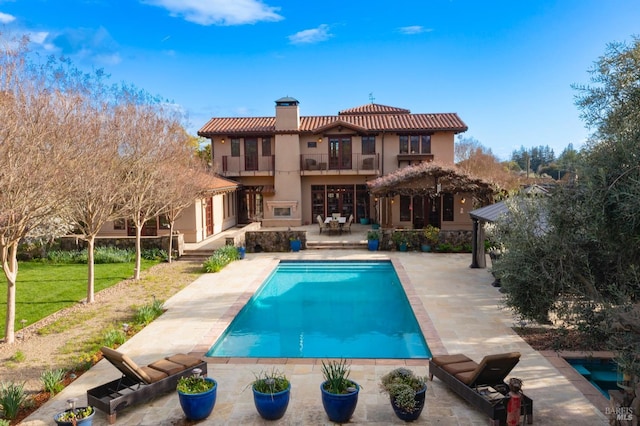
(140, 384)
(482, 384)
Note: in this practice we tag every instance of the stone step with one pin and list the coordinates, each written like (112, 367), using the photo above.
(328, 245)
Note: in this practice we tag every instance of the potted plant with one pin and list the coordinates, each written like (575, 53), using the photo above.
(431, 237)
(271, 393)
(373, 240)
(75, 416)
(406, 392)
(295, 243)
(401, 239)
(197, 395)
(339, 393)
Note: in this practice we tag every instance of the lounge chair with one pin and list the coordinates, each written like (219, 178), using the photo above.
(140, 384)
(481, 384)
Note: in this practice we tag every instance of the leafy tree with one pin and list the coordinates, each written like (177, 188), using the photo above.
(575, 256)
(533, 158)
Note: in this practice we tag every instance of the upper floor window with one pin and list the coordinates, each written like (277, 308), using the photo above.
(266, 147)
(415, 144)
(368, 144)
(235, 147)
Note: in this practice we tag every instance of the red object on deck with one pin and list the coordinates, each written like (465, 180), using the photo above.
(513, 409)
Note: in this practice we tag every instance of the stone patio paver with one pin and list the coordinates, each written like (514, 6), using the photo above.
(460, 305)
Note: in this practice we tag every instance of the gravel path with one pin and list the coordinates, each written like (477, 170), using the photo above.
(78, 325)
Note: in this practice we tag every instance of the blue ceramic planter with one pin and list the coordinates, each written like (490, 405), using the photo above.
(339, 407)
(409, 417)
(272, 406)
(295, 245)
(372, 245)
(87, 421)
(198, 406)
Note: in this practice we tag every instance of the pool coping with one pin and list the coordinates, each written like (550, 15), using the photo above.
(557, 359)
(427, 328)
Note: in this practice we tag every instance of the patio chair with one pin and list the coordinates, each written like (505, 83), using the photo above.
(321, 223)
(334, 226)
(140, 384)
(481, 384)
(347, 225)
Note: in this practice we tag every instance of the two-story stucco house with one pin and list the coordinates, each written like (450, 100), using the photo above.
(294, 168)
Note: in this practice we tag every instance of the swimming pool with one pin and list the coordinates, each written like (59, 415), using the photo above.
(320, 309)
(601, 373)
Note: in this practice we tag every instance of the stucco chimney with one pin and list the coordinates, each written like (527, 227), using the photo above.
(287, 114)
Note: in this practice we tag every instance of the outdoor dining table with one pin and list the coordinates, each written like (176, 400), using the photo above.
(341, 221)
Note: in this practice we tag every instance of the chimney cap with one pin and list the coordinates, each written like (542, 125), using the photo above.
(287, 101)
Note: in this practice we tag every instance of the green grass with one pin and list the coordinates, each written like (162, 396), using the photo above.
(44, 288)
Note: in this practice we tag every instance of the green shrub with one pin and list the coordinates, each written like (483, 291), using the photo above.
(52, 380)
(100, 255)
(12, 396)
(221, 258)
(113, 337)
(4, 422)
(112, 255)
(154, 254)
(147, 313)
(19, 356)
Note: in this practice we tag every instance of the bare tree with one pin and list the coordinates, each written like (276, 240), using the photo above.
(187, 180)
(92, 178)
(152, 145)
(30, 152)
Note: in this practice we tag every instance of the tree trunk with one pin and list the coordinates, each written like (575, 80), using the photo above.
(91, 269)
(170, 241)
(136, 272)
(10, 268)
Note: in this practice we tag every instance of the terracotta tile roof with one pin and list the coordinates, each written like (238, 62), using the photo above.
(374, 109)
(372, 117)
(217, 184)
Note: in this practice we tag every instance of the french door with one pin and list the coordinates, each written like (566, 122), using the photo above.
(339, 152)
(251, 154)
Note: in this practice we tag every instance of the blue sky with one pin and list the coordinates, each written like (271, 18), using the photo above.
(506, 67)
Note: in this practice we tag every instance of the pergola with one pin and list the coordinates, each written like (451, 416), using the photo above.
(429, 179)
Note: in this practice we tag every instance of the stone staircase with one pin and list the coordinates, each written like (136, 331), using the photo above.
(336, 245)
(196, 255)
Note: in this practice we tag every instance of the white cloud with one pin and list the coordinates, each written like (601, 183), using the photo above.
(414, 29)
(219, 12)
(6, 18)
(314, 35)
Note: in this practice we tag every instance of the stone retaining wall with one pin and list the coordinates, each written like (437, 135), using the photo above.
(273, 241)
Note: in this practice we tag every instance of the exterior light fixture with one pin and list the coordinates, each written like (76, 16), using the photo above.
(222, 141)
(320, 139)
(464, 200)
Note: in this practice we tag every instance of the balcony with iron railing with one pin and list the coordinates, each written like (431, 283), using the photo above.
(247, 165)
(361, 164)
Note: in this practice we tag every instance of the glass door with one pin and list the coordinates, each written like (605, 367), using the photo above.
(340, 153)
(251, 154)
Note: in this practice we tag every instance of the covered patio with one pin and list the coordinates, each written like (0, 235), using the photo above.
(444, 185)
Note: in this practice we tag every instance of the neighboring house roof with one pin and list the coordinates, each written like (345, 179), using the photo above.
(370, 118)
(490, 213)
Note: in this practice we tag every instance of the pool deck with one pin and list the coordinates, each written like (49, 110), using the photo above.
(458, 310)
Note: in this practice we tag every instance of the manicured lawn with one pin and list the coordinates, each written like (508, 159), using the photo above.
(43, 289)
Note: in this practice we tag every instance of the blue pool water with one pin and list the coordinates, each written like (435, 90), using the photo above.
(601, 373)
(326, 310)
